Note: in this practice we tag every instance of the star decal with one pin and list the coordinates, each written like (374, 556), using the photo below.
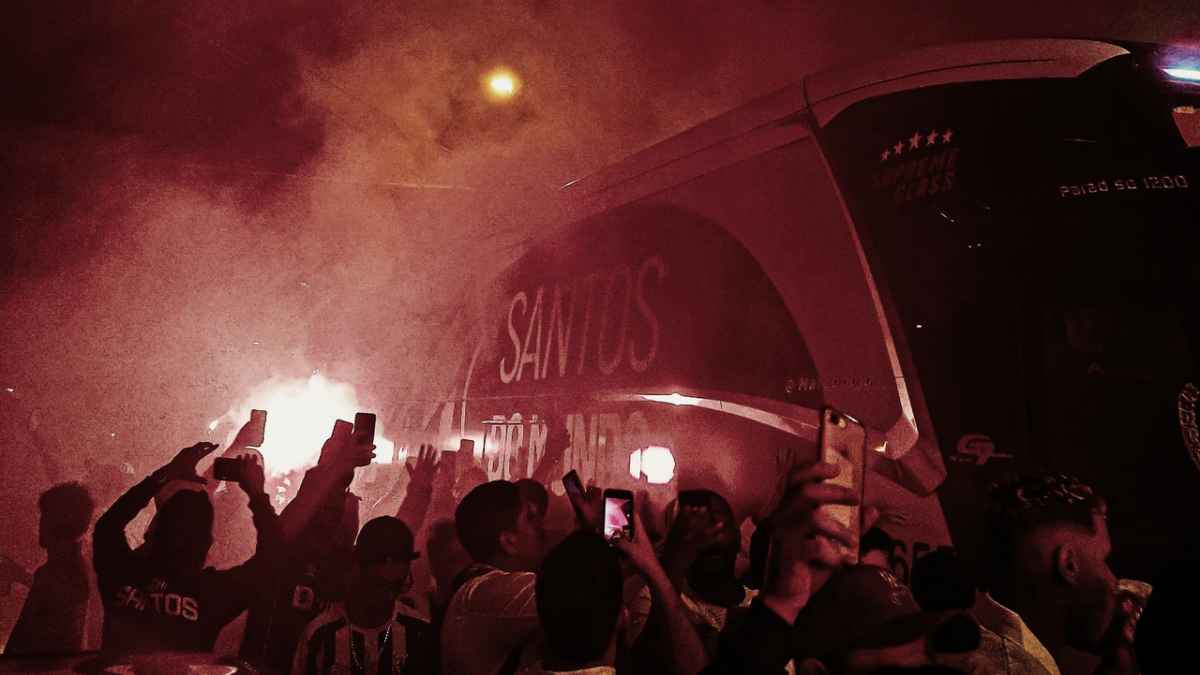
(886, 154)
(932, 137)
(898, 148)
(947, 136)
(915, 141)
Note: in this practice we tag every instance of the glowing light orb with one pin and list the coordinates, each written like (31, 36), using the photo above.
(656, 463)
(300, 415)
(501, 84)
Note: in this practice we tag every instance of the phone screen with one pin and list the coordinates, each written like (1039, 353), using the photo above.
(843, 442)
(364, 427)
(573, 485)
(618, 514)
(258, 424)
(226, 468)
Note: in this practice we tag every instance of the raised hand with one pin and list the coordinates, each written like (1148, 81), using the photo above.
(426, 467)
(804, 541)
(244, 438)
(342, 450)
(251, 477)
(589, 509)
(639, 551)
(558, 437)
(183, 466)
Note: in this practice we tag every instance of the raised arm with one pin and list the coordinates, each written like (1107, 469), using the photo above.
(417, 499)
(327, 481)
(804, 554)
(109, 546)
(558, 439)
(671, 629)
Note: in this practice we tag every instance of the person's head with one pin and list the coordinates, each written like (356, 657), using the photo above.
(66, 512)
(875, 548)
(940, 581)
(1048, 549)
(535, 494)
(863, 620)
(716, 565)
(383, 558)
(447, 557)
(498, 527)
(180, 535)
(579, 600)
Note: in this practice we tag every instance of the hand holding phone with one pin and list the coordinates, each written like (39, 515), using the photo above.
(364, 428)
(844, 443)
(227, 469)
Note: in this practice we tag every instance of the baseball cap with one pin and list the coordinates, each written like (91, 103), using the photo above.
(384, 538)
(867, 607)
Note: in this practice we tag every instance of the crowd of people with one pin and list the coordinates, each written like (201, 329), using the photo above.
(452, 573)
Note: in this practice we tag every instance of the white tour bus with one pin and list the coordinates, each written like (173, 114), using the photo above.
(986, 252)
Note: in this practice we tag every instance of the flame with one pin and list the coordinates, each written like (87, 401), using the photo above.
(300, 415)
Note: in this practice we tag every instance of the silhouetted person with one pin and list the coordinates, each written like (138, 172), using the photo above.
(308, 574)
(1049, 585)
(700, 556)
(162, 597)
(54, 617)
(492, 613)
(371, 631)
(447, 558)
(579, 605)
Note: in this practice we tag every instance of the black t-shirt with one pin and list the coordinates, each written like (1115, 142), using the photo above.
(291, 596)
(149, 609)
(299, 586)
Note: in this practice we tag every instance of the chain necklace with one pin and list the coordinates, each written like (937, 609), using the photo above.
(358, 660)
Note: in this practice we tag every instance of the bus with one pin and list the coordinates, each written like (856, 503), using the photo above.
(986, 253)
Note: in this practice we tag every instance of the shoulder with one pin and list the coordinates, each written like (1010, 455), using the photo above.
(998, 649)
(410, 616)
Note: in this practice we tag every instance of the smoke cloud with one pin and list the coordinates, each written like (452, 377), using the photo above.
(201, 196)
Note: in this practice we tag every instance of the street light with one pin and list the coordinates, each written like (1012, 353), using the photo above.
(501, 85)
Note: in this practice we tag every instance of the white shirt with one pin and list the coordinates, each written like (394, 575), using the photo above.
(1009, 626)
(490, 617)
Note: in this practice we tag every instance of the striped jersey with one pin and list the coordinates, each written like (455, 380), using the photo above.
(333, 644)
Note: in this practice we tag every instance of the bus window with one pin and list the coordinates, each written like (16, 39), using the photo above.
(1035, 241)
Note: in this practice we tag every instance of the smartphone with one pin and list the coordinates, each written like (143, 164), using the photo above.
(341, 428)
(258, 428)
(573, 485)
(466, 448)
(844, 442)
(227, 468)
(364, 427)
(618, 514)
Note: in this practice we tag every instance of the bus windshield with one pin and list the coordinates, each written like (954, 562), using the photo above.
(1036, 243)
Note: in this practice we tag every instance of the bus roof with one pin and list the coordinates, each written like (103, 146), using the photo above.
(783, 115)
